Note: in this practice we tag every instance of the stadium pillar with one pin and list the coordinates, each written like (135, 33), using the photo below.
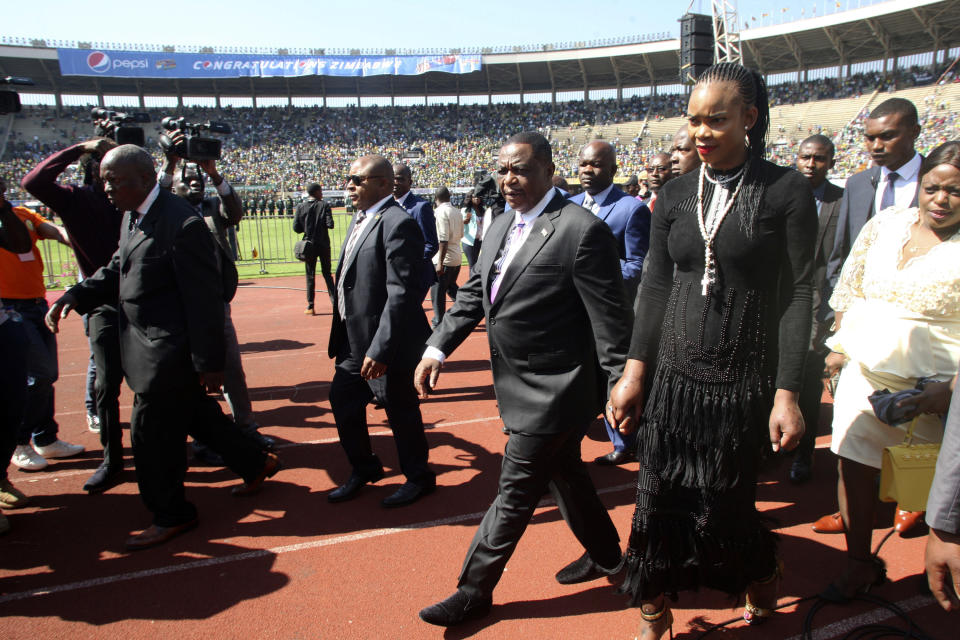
(58, 101)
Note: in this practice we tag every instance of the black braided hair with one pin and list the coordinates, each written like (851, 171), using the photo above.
(753, 91)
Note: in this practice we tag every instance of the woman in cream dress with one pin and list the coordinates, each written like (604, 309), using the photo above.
(898, 317)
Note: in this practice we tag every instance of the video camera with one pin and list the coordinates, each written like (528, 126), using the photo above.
(9, 100)
(119, 127)
(194, 146)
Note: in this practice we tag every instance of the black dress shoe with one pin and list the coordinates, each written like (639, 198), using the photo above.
(456, 609)
(264, 442)
(206, 455)
(103, 478)
(800, 470)
(408, 493)
(584, 569)
(155, 535)
(615, 458)
(350, 489)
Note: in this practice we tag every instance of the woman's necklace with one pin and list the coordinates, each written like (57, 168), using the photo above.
(709, 229)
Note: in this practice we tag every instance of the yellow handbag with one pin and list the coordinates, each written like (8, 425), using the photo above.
(906, 474)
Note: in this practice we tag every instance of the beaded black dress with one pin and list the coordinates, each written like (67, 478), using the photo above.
(719, 359)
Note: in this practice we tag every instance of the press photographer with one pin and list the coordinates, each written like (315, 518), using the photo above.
(120, 127)
(185, 139)
(221, 213)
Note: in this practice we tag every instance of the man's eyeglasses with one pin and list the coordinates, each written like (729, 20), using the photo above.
(358, 180)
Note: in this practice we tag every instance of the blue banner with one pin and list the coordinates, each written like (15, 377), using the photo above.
(149, 64)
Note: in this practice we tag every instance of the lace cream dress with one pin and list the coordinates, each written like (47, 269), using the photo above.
(899, 324)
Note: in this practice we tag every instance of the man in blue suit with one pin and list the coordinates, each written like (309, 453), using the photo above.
(630, 222)
(889, 136)
(422, 212)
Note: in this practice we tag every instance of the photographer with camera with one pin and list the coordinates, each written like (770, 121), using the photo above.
(220, 212)
(313, 219)
(93, 224)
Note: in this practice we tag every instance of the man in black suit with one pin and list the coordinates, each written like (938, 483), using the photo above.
(166, 276)
(313, 219)
(890, 134)
(815, 157)
(549, 286)
(378, 334)
(421, 211)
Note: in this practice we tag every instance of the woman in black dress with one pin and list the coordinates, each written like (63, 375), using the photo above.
(719, 341)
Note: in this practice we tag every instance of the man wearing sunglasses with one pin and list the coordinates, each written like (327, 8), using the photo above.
(378, 334)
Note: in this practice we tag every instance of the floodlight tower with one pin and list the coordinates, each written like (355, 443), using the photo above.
(726, 35)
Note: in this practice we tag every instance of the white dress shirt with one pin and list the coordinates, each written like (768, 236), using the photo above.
(599, 199)
(905, 187)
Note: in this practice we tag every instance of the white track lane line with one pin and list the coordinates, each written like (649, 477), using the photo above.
(260, 553)
(840, 628)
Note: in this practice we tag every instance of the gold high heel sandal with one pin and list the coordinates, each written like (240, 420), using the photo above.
(660, 621)
(753, 614)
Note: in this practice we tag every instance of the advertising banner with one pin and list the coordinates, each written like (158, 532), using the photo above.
(151, 64)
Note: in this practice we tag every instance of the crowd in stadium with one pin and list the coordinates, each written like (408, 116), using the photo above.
(282, 150)
(704, 346)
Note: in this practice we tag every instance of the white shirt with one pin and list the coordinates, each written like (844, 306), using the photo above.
(403, 199)
(528, 219)
(904, 189)
(368, 214)
(600, 198)
(148, 202)
(449, 230)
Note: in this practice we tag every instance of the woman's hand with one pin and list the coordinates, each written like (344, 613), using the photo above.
(786, 421)
(626, 399)
(935, 398)
(833, 363)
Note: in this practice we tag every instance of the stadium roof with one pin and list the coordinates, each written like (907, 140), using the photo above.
(887, 30)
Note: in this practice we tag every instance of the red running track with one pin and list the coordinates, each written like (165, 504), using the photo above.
(287, 564)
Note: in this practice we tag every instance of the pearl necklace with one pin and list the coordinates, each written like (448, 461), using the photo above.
(710, 234)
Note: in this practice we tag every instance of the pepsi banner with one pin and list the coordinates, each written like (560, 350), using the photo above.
(150, 64)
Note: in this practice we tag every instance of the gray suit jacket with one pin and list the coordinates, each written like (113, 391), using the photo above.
(559, 329)
(826, 237)
(943, 505)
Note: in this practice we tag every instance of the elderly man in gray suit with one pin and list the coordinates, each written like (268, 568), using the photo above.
(943, 514)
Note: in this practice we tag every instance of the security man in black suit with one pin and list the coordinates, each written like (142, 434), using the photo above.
(313, 219)
(815, 158)
(171, 341)
(549, 285)
(378, 334)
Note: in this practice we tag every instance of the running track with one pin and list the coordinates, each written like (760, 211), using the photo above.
(287, 564)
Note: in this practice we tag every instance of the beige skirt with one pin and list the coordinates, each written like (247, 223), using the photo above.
(857, 433)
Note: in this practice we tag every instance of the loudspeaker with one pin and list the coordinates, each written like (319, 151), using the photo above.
(696, 46)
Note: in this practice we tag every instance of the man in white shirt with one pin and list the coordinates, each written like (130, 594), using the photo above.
(448, 258)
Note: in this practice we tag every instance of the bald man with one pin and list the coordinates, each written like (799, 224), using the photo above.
(629, 220)
(683, 155)
(378, 334)
(171, 305)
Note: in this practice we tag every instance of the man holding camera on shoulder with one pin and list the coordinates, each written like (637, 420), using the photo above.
(220, 212)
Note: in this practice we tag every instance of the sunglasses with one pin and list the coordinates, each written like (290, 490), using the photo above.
(358, 180)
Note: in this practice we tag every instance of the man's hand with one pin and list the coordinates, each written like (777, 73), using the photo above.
(942, 560)
(170, 157)
(212, 380)
(372, 369)
(935, 398)
(426, 376)
(59, 310)
(98, 146)
(440, 269)
(786, 421)
(209, 167)
(626, 399)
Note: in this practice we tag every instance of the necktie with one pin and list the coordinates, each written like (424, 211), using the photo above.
(590, 203)
(351, 242)
(889, 196)
(508, 246)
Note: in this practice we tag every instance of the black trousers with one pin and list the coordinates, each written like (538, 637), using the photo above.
(531, 465)
(349, 396)
(323, 254)
(810, 394)
(103, 325)
(159, 425)
(13, 387)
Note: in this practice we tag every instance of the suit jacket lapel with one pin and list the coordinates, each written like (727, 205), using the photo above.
(144, 229)
(363, 236)
(828, 209)
(539, 234)
(493, 241)
(606, 207)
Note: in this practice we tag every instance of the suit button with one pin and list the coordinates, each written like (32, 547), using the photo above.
(494, 353)
(493, 321)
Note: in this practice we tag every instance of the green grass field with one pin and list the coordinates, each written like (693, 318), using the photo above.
(265, 244)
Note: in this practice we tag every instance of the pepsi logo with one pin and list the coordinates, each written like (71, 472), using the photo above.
(98, 61)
